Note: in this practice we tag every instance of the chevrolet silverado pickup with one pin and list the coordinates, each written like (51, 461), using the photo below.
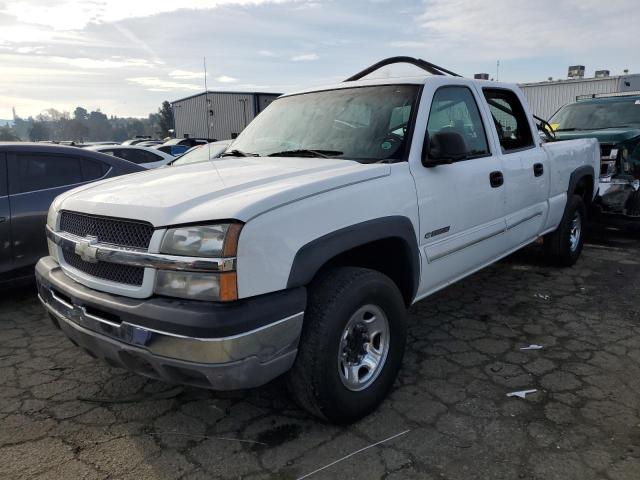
(299, 251)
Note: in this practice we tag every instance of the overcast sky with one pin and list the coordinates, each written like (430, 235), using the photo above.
(127, 56)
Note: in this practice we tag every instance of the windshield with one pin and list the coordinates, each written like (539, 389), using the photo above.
(597, 115)
(201, 154)
(366, 124)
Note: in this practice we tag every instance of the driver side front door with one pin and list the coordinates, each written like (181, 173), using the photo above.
(461, 205)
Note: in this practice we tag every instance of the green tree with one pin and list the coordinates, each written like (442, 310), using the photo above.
(80, 114)
(39, 131)
(165, 121)
(7, 134)
(99, 127)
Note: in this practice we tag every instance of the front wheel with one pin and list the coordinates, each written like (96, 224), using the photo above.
(564, 246)
(352, 344)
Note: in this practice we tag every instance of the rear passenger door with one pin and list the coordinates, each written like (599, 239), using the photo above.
(35, 179)
(5, 220)
(461, 206)
(524, 164)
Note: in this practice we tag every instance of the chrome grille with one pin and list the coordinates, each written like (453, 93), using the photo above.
(113, 272)
(114, 231)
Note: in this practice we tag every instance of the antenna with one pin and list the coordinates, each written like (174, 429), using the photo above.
(206, 118)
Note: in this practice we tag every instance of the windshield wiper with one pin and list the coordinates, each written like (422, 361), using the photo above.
(567, 129)
(238, 153)
(304, 152)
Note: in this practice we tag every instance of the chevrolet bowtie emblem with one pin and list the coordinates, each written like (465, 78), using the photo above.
(87, 250)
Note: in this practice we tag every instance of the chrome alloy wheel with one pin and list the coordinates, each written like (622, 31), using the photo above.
(364, 345)
(575, 231)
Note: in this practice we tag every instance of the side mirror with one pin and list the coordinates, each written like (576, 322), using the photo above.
(443, 148)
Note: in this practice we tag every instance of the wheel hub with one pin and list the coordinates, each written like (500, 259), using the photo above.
(575, 231)
(364, 346)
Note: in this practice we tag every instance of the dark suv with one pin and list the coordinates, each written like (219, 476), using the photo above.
(31, 176)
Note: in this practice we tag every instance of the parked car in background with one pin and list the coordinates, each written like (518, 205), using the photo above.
(138, 139)
(150, 143)
(146, 157)
(615, 122)
(178, 146)
(202, 153)
(31, 176)
(336, 209)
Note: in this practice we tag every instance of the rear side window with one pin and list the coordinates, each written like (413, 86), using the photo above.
(454, 109)
(137, 156)
(93, 169)
(40, 171)
(509, 119)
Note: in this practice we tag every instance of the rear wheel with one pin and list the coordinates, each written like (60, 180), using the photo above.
(564, 246)
(352, 344)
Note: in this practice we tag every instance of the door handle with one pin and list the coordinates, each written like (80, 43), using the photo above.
(538, 169)
(496, 179)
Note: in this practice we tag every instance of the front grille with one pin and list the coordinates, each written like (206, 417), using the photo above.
(605, 150)
(113, 272)
(607, 165)
(114, 231)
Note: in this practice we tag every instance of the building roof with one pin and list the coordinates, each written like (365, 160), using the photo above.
(564, 81)
(223, 92)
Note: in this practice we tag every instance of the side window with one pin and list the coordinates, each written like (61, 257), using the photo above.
(454, 109)
(93, 170)
(149, 157)
(41, 171)
(134, 155)
(510, 119)
(3, 176)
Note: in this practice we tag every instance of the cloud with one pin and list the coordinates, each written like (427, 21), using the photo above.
(155, 84)
(266, 53)
(76, 14)
(113, 62)
(408, 44)
(501, 29)
(307, 57)
(185, 74)
(225, 79)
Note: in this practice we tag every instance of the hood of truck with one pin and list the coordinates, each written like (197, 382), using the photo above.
(232, 188)
(607, 135)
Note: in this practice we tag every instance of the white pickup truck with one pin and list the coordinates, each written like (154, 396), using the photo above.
(300, 250)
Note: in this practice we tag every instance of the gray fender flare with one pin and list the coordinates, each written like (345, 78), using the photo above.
(312, 256)
(577, 175)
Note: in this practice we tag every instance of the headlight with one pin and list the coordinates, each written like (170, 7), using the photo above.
(202, 241)
(52, 217)
(220, 240)
(197, 286)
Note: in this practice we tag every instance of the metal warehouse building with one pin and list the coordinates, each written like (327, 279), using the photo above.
(217, 115)
(545, 98)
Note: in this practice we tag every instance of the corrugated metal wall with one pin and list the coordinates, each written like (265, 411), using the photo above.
(226, 113)
(546, 98)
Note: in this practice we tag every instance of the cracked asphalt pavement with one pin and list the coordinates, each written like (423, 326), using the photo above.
(66, 415)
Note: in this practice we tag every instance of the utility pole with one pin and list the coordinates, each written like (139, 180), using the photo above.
(498, 71)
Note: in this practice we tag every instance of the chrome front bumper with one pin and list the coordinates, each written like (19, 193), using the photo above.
(241, 360)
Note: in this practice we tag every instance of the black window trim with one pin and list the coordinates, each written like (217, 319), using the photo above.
(4, 175)
(533, 137)
(12, 158)
(484, 127)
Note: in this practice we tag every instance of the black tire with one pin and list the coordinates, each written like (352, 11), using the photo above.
(558, 245)
(315, 381)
